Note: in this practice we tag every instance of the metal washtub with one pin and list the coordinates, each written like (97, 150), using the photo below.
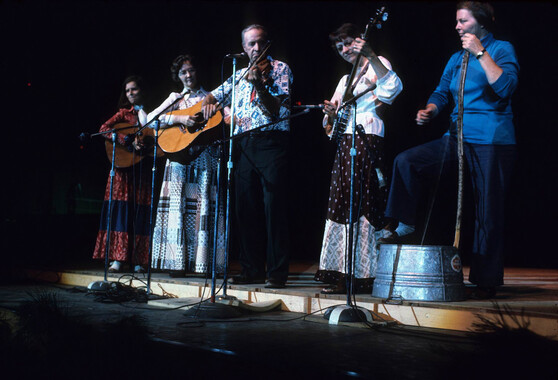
(419, 273)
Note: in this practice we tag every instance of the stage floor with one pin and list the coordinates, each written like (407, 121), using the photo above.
(529, 297)
(94, 335)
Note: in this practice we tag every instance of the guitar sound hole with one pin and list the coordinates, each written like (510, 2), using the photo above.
(196, 127)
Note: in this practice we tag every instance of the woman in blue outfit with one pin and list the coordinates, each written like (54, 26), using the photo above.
(489, 143)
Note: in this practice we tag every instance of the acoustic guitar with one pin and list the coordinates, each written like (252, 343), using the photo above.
(177, 137)
(123, 157)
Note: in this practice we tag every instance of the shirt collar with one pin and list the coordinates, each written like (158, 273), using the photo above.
(487, 40)
(194, 92)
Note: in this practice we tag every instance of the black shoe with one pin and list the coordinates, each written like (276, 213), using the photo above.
(481, 293)
(274, 284)
(335, 289)
(364, 289)
(245, 280)
(177, 273)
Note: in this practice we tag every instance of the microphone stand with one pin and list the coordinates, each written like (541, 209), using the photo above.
(226, 298)
(216, 225)
(156, 117)
(156, 126)
(292, 116)
(222, 309)
(350, 312)
(225, 306)
(229, 177)
(101, 286)
(105, 285)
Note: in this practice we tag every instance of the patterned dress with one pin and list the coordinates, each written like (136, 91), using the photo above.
(369, 197)
(131, 202)
(184, 227)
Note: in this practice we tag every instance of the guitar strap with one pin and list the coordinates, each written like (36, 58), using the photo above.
(187, 96)
(360, 75)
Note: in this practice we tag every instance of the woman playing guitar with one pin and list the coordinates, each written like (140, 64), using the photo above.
(183, 234)
(131, 196)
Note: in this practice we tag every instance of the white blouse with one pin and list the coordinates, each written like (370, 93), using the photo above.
(387, 89)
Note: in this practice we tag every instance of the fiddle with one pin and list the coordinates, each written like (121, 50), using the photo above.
(262, 64)
(260, 78)
(264, 67)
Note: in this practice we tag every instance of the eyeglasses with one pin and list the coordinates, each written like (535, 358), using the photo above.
(345, 43)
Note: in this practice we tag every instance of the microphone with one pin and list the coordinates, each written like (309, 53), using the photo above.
(239, 55)
(311, 106)
(84, 137)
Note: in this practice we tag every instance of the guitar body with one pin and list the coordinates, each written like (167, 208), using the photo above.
(173, 138)
(340, 124)
(123, 158)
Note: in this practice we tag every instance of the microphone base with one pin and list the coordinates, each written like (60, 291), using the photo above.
(347, 314)
(99, 286)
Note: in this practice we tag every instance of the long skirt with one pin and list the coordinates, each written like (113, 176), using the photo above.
(369, 204)
(129, 225)
(183, 237)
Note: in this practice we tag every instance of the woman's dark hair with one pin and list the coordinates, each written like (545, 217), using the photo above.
(177, 65)
(123, 101)
(344, 31)
(482, 12)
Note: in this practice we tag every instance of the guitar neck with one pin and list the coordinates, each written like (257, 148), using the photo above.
(380, 14)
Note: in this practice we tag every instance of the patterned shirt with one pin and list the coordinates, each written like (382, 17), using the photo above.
(250, 111)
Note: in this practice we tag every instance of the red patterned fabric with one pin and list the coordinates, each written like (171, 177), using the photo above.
(121, 247)
(124, 115)
(131, 200)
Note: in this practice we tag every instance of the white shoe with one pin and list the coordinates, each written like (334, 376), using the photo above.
(385, 236)
(115, 266)
(139, 269)
(404, 229)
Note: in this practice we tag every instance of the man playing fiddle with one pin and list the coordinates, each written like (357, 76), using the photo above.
(261, 170)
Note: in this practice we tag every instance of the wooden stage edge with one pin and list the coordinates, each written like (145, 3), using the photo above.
(529, 298)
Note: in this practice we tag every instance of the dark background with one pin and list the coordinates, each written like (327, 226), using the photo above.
(63, 63)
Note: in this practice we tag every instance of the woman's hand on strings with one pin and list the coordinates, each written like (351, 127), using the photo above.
(330, 109)
(209, 106)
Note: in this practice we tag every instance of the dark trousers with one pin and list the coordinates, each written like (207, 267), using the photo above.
(261, 188)
(490, 168)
